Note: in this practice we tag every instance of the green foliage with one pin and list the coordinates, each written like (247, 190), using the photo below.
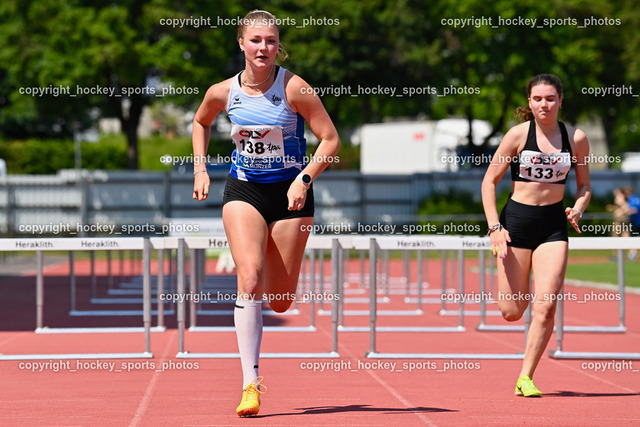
(348, 158)
(350, 45)
(116, 46)
(35, 156)
(452, 202)
(152, 149)
(452, 212)
(448, 207)
(598, 208)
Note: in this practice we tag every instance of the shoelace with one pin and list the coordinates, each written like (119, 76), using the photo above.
(527, 383)
(253, 387)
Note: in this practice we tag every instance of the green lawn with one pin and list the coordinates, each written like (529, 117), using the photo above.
(604, 272)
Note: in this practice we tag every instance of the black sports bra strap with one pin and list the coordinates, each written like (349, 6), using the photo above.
(566, 145)
(532, 142)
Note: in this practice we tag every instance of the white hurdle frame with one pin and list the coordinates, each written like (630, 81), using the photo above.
(388, 243)
(582, 243)
(314, 242)
(459, 243)
(197, 275)
(75, 244)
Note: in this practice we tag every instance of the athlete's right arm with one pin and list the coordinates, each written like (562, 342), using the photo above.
(500, 162)
(214, 102)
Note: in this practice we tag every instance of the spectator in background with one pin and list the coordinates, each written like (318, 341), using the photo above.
(621, 215)
(633, 200)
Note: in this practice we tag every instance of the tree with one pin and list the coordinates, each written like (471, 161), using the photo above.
(105, 54)
(361, 55)
(567, 38)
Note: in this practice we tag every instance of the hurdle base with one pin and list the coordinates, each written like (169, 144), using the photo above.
(204, 312)
(469, 313)
(187, 355)
(265, 329)
(108, 330)
(500, 328)
(478, 356)
(106, 313)
(596, 329)
(144, 355)
(586, 329)
(402, 328)
(559, 354)
(379, 313)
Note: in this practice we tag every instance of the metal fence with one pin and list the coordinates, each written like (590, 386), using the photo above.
(89, 203)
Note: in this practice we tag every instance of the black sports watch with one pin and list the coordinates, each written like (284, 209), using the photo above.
(306, 179)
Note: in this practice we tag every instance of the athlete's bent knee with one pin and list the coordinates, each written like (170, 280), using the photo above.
(512, 312)
(511, 316)
(280, 306)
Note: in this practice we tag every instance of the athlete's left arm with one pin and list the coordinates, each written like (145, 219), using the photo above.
(583, 183)
(303, 99)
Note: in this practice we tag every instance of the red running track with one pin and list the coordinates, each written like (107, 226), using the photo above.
(348, 391)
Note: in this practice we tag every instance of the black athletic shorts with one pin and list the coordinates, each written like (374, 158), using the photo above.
(270, 199)
(530, 226)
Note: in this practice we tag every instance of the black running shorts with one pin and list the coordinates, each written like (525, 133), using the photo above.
(530, 226)
(270, 199)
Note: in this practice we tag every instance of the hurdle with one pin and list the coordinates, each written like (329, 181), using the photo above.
(70, 244)
(196, 278)
(583, 243)
(408, 292)
(73, 311)
(389, 243)
(387, 293)
(362, 246)
(459, 243)
(319, 242)
(129, 288)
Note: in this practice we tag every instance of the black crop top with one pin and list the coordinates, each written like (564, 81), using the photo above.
(533, 165)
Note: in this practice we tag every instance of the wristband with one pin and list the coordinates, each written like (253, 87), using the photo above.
(495, 227)
(576, 209)
(199, 170)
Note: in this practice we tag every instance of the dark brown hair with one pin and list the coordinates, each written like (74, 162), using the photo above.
(265, 18)
(524, 113)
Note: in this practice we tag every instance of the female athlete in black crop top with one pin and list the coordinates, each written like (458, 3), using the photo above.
(531, 231)
(536, 166)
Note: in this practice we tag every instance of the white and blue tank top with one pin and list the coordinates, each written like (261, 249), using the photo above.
(268, 135)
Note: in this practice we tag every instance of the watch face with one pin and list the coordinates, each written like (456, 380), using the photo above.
(306, 179)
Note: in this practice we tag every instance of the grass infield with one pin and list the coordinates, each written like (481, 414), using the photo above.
(605, 272)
